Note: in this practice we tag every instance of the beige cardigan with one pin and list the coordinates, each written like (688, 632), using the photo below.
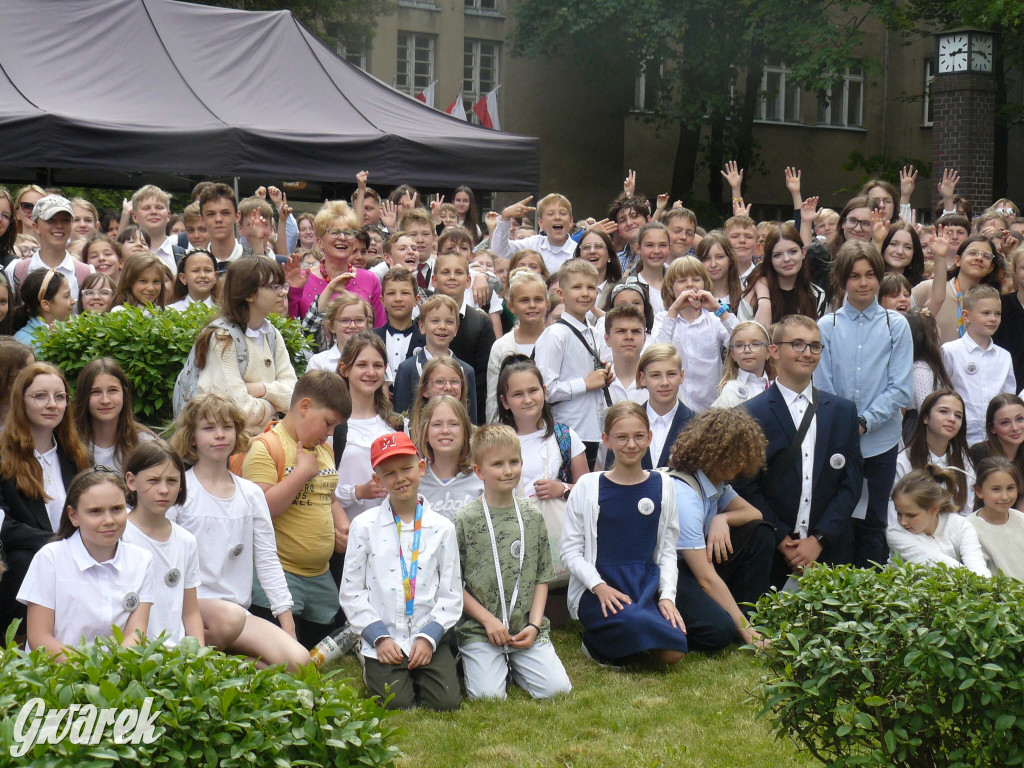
(272, 369)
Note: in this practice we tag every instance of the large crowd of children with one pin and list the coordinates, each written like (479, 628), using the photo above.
(503, 418)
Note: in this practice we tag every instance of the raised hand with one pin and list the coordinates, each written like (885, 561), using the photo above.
(629, 185)
(733, 174)
(261, 193)
(283, 208)
(793, 181)
(275, 196)
(908, 180)
(738, 208)
(662, 201)
(518, 210)
(809, 208)
(879, 226)
(389, 214)
(947, 187)
(361, 179)
(294, 274)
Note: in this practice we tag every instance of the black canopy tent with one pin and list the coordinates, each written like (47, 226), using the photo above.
(103, 91)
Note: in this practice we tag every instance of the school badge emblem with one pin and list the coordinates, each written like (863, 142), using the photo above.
(236, 551)
(645, 506)
(172, 577)
(516, 548)
(972, 368)
(130, 601)
(838, 461)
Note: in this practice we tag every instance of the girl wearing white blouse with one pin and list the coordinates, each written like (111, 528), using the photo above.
(929, 531)
(260, 380)
(230, 520)
(88, 580)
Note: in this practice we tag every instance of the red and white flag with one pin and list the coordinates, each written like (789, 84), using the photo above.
(457, 108)
(427, 95)
(487, 110)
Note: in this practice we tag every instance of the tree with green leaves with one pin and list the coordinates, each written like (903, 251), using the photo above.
(350, 23)
(708, 56)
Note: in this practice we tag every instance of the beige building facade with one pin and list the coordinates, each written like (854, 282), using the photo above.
(593, 129)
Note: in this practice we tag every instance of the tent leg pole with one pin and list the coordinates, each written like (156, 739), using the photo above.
(236, 188)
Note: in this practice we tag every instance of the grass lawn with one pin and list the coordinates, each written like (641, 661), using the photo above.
(692, 715)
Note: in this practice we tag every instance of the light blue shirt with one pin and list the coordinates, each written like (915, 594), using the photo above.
(696, 511)
(869, 358)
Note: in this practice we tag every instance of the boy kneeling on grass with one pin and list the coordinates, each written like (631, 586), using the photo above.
(506, 567)
(401, 589)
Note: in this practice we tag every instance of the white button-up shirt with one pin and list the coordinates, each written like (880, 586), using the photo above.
(554, 256)
(978, 374)
(372, 593)
(700, 344)
(798, 403)
(66, 268)
(660, 426)
(87, 597)
(53, 484)
(565, 362)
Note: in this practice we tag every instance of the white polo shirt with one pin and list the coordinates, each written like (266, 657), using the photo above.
(87, 597)
(175, 568)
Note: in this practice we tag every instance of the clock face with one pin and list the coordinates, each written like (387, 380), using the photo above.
(953, 53)
(981, 54)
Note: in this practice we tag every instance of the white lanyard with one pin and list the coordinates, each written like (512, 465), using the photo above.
(497, 561)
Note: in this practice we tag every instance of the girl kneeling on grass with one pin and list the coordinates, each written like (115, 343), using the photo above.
(624, 590)
(230, 520)
(88, 580)
(929, 530)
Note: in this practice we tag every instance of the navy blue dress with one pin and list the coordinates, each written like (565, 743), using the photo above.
(627, 544)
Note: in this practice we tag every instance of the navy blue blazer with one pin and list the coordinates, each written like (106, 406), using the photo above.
(26, 529)
(407, 379)
(835, 490)
(679, 422)
(472, 343)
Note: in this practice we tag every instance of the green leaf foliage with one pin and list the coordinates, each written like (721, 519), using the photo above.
(212, 709)
(908, 666)
(151, 347)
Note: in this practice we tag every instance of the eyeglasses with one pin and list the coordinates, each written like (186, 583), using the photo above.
(623, 440)
(278, 288)
(354, 322)
(751, 347)
(335, 232)
(446, 383)
(800, 346)
(861, 224)
(104, 293)
(986, 255)
(592, 247)
(42, 398)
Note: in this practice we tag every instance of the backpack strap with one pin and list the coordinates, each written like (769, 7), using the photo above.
(564, 449)
(687, 478)
(20, 270)
(272, 443)
(238, 337)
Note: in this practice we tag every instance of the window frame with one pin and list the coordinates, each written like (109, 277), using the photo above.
(850, 75)
(473, 47)
(780, 69)
(412, 40)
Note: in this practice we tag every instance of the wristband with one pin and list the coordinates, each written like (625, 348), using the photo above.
(723, 307)
(531, 624)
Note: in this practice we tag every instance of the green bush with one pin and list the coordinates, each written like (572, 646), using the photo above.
(151, 347)
(909, 666)
(211, 710)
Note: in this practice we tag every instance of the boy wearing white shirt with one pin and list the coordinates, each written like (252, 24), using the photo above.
(624, 332)
(401, 588)
(978, 368)
(554, 219)
(151, 210)
(660, 373)
(566, 353)
(52, 217)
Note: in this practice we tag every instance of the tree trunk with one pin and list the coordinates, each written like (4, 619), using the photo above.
(685, 167)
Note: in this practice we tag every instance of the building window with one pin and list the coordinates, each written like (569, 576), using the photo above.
(489, 6)
(479, 71)
(780, 96)
(646, 97)
(415, 62)
(353, 55)
(843, 105)
(929, 78)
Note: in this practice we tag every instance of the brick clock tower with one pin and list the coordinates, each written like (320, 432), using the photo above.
(964, 101)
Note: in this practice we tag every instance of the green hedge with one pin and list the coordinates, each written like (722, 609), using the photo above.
(211, 710)
(908, 666)
(151, 347)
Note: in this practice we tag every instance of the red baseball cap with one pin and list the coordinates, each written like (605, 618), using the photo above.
(394, 444)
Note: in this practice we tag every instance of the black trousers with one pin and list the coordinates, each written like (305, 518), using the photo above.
(747, 575)
(869, 544)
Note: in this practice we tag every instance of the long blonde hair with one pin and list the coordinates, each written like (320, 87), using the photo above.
(419, 437)
(732, 368)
